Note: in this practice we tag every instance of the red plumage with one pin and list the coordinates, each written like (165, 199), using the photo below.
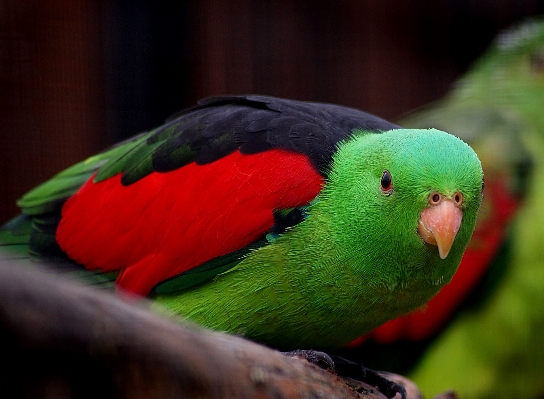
(168, 223)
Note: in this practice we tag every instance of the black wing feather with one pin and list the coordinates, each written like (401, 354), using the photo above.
(209, 131)
(218, 126)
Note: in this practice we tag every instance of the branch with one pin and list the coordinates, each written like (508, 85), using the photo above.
(66, 340)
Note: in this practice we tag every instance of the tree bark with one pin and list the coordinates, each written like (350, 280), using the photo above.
(60, 339)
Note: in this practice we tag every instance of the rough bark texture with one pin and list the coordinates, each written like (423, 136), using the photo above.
(59, 339)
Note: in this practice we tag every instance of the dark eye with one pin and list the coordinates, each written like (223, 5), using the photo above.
(386, 182)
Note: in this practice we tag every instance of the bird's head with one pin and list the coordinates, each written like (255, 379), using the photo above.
(412, 195)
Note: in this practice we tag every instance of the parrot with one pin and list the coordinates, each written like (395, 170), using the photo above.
(482, 334)
(294, 224)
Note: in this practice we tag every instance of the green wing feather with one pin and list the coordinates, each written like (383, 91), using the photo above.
(48, 196)
(205, 271)
(284, 220)
(15, 237)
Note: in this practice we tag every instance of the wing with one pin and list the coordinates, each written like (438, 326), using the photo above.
(196, 192)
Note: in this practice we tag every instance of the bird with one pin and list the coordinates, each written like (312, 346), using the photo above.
(481, 335)
(294, 224)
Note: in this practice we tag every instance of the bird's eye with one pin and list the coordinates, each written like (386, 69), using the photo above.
(386, 183)
(483, 185)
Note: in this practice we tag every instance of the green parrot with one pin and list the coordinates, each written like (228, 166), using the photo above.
(294, 224)
(493, 347)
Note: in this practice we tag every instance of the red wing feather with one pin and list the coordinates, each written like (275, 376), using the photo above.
(167, 223)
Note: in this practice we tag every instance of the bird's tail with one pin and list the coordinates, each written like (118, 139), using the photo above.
(17, 248)
(15, 238)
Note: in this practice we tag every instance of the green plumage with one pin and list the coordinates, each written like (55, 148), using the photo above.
(356, 261)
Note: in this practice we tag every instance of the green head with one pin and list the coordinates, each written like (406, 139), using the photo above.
(411, 198)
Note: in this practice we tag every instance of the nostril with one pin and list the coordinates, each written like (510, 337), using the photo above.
(458, 198)
(435, 198)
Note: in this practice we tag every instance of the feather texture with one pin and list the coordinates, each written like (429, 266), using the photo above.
(265, 217)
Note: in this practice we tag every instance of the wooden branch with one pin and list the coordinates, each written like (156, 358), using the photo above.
(61, 339)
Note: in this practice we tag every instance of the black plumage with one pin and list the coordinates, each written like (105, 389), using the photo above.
(219, 125)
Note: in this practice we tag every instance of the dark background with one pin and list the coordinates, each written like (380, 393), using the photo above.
(76, 76)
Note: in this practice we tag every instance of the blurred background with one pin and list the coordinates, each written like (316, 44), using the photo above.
(76, 76)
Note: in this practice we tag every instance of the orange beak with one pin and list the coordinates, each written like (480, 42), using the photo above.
(439, 224)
